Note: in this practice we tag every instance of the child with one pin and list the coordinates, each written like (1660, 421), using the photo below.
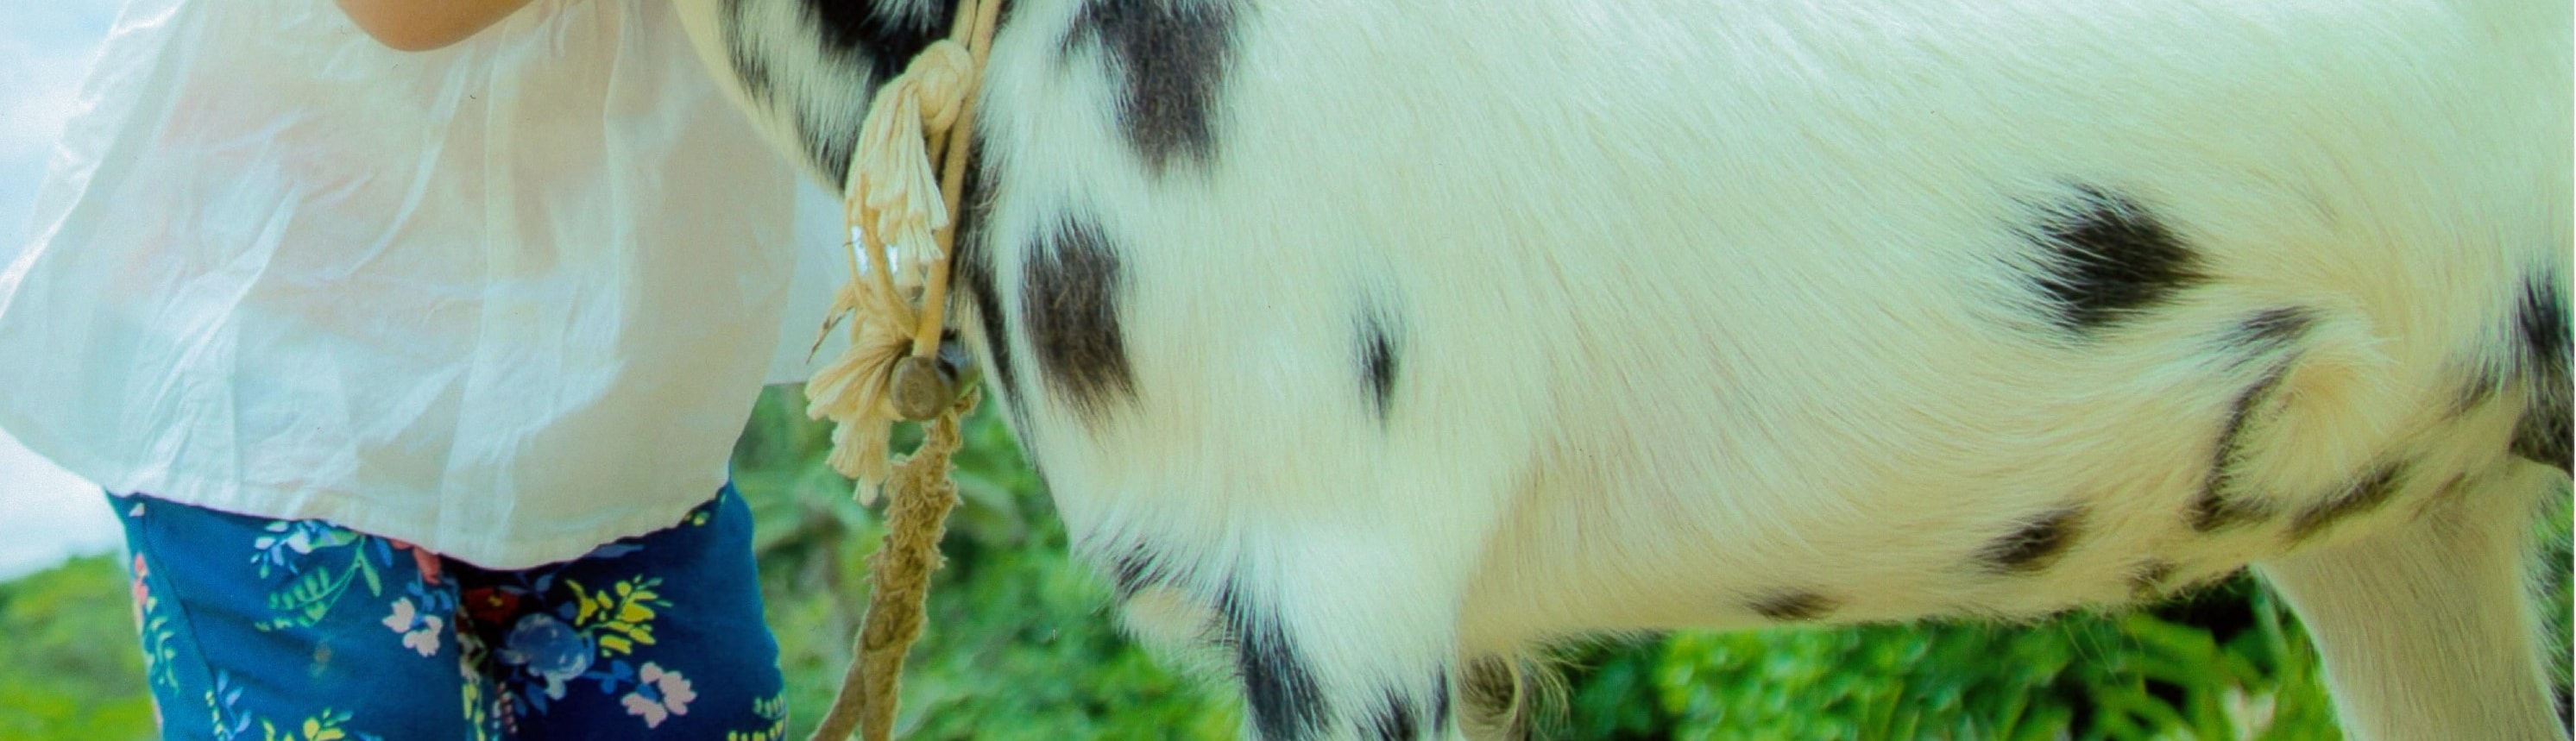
(414, 372)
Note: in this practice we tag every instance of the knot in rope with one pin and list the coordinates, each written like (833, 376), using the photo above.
(892, 186)
(895, 200)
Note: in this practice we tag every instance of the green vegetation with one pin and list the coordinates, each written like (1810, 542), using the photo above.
(1021, 644)
(69, 664)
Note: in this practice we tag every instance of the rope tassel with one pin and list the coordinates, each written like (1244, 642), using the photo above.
(851, 390)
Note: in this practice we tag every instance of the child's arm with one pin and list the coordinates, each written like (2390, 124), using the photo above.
(421, 25)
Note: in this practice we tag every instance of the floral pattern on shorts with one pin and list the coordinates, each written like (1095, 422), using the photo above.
(313, 632)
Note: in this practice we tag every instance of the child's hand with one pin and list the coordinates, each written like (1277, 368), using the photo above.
(422, 25)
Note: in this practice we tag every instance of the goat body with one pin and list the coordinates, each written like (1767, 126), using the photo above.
(1369, 344)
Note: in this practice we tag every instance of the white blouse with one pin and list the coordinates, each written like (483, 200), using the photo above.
(507, 300)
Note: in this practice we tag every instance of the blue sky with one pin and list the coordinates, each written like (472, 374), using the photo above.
(45, 50)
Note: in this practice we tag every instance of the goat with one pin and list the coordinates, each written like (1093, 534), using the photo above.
(1370, 344)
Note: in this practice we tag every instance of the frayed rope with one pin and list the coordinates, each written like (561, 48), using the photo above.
(891, 372)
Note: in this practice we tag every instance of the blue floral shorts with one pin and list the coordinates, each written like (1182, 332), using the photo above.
(300, 630)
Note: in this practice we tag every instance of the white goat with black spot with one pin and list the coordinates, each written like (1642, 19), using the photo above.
(1373, 343)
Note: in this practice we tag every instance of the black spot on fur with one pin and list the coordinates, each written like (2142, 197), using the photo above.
(1440, 701)
(1279, 688)
(1172, 55)
(2446, 495)
(878, 33)
(2362, 495)
(1393, 719)
(1129, 571)
(2541, 322)
(2450, 489)
(2147, 581)
(829, 143)
(876, 39)
(1490, 687)
(2109, 258)
(1378, 363)
(1793, 606)
(1002, 14)
(2542, 436)
(2217, 508)
(1069, 296)
(2035, 544)
(2270, 331)
(748, 65)
(972, 265)
(2212, 513)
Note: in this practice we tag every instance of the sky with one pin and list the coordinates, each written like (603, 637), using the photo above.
(46, 47)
